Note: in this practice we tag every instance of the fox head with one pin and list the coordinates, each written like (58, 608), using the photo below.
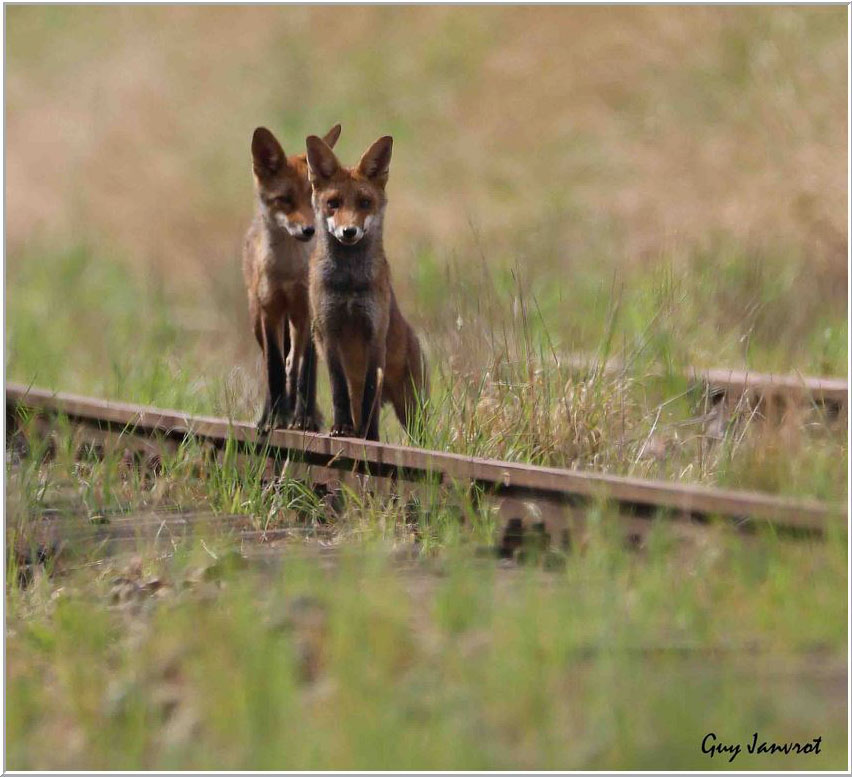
(281, 184)
(349, 201)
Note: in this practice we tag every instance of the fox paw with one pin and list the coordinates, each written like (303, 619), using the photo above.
(342, 430)
(305, 424)
(268, 422)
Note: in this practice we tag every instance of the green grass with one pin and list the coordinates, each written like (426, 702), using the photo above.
(401, 650)
(621, 661)
(502, 385)
(449, 661)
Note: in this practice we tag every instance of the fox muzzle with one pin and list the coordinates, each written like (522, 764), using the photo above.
(300, 231)
(348, 234)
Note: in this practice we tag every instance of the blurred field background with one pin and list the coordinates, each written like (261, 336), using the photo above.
(583, 146)
(662, 186)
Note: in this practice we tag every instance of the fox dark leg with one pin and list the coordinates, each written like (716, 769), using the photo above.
(371, 401)
(305, 414)
(275, 409)
(342, 425)
(415, 392)
(401, 406)
(257, 328)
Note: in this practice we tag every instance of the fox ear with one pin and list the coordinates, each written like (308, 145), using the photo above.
(266, 153)
(332, 135)
(376, 160)
(322, 163)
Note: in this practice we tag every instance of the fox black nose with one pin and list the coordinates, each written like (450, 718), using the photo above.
(350, 232)
(308, 231)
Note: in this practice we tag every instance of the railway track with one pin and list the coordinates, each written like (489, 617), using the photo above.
(771, 393)
(547, 503)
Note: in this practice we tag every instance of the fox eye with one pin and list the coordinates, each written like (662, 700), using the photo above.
(364, 203)
(333, 203)
(284, 202)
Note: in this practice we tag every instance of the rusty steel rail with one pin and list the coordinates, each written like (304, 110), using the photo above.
(825, 391)
(550, 485)
(832, 393)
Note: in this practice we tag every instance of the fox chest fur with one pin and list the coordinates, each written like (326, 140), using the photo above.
(273, 263)
(349, 291)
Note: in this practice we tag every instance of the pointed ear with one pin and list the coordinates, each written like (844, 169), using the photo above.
(332, 135)
(266, 153)
(376, 160)
(322, 163)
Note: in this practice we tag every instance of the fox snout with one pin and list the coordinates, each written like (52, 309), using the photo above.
(348, 234)
(302, 230)
(351, 226)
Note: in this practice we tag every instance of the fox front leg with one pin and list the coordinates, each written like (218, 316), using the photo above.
(305, 416)
(275, 408)
(342, 425)
(371, 403)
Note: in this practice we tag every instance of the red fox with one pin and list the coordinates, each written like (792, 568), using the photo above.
(372, 353)
(275, 268)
